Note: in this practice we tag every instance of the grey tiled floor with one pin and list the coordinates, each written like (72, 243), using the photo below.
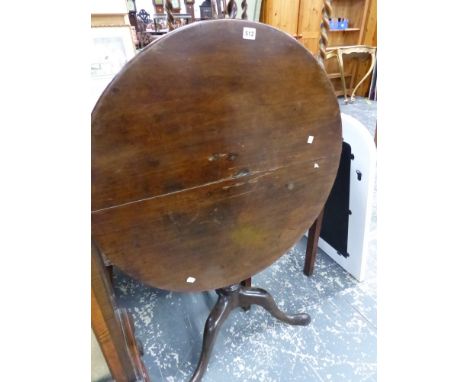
(338, 345)
(363, 110)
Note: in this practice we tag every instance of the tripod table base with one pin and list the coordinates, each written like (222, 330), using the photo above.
(232, 297)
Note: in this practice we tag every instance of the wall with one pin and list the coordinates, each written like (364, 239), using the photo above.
(111, 43)
(108, 6)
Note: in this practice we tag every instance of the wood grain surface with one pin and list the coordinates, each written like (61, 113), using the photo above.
(113, 327)
(201, 165)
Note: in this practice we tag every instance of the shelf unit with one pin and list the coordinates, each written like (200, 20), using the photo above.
(345, 30)
(302, 19)
(356, 12)
(338, 75)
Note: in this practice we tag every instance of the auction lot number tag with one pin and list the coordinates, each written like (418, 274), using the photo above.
(249, 33)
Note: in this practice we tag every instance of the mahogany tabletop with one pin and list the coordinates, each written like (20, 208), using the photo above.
(213, 151)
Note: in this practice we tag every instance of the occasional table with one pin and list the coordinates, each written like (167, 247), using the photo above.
(355, 50)
(213, 151)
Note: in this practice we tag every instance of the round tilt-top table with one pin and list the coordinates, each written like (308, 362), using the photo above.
(213, 151)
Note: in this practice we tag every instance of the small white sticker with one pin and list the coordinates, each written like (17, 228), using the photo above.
(310, 139)
(316, 165)
(249, 33)
(190, 279)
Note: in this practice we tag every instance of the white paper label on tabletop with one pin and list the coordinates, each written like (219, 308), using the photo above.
(249, 33)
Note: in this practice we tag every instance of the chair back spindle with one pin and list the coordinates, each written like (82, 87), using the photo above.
(232, 9)
(244, 9)
(170, 16)
(324, 29)
(218, 9)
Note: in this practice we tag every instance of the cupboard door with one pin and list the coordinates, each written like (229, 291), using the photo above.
(113, 327)
(281, 14)
(309, 20)
(297, 17)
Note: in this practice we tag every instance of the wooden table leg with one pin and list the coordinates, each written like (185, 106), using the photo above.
(339, 57)
(366, 75)
(230, 298)
(312, 245)
(247, 283)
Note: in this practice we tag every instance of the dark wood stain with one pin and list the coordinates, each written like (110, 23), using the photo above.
(208, 173)
(113, 326)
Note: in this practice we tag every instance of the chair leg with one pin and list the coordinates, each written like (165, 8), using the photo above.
(339, 57)
(312, 245)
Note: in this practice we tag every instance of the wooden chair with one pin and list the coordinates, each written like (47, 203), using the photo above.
(220, 9)
(174, 18)
(142, 21)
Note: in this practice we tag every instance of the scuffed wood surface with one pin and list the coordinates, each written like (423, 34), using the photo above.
(201, 167)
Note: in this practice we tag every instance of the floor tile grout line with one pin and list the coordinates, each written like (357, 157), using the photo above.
(317, 374)
(357, 310)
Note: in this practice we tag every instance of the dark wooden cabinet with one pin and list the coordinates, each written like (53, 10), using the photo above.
(113, 327)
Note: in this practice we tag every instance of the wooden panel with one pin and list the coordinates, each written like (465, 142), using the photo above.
(370, 30)
(349, 64)
(369, 38)
(362, 15)
(110, 20)
(282, 14)
(112, 327)
(357, 11)
(343, 38)
(350, 9)
(310, 18)
(365, 15)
